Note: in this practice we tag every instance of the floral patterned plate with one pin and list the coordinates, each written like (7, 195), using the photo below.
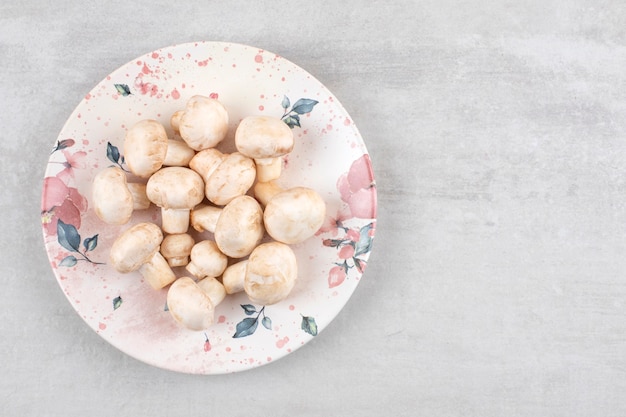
(329, 156)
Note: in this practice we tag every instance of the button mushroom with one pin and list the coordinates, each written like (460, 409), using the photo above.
(225, 176)
(204, 217)
(206, 161)
(137, 249)
(232, 178)
(189, 305)
(271, 273)
(206, 260)
(145, 147)
(178, 154)
(239, 228)
(176, 249)
(266, 140)
(293, 215)
(234, 276)
(203, 123)
(114, 199)
(213, 288)
(176, 190)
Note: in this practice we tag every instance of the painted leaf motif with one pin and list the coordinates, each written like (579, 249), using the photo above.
(68, 236)
(364, 244)
(113, 154)
(117, 302)
(267, 323)
(246, 327)
(90, 243)
(249, 309)
(291, 122)
(285, 103)
(309, 325)
(304, 105)
(68, 261)
(122, 89)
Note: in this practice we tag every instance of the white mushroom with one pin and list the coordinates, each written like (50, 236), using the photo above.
(204, 217)
(266, 140)
(234, 276)
(175, 121)
(293, 215)
(189, 305)
(114, 199)
(176, 248)
(206, 260)
(178, 154)
(145, 147)
(225, 176)
(213, 288)
(204, 123)
(239, 228)
(137, 249)
(140, 198)
(271, 273)
(206, 161)
(232, 178)
(176, 190)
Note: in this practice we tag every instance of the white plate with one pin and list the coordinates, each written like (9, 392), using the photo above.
(329, 156)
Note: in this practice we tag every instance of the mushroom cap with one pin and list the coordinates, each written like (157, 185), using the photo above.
(175, 188)
(239, 228)
(145, 147)
(294, 215)
(207, 260)
(262, 137)
(189, 305)
(112, 200)
(271, 273)
(204, 123)
(135, 247)
(176, 248)
(232, 178)
(206, 161)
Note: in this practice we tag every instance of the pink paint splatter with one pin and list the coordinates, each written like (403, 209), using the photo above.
(203, 63)
(87, 96)
(347, 122)
(282, 342)
(292, 307)
(146, 69)
(102, 326)
(261, 108)
(214, 96)
(175, 94)
(155, 55)
(221, 319)
(258, 58)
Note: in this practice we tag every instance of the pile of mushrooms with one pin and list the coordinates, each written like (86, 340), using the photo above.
(226, 225)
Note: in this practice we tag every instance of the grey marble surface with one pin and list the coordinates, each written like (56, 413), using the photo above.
(497, 284)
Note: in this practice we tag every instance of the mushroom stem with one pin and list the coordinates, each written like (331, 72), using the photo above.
(204, 217)
(178, 154)
(268, 169)
(234, 276)
(175, 220)
(138, 192)
(213, 289)
(157, 272)
(265, 191)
